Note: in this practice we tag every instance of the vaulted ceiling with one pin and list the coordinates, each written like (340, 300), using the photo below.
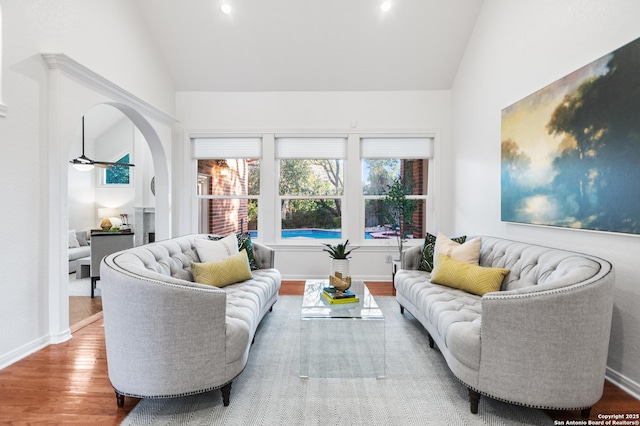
(311, 45)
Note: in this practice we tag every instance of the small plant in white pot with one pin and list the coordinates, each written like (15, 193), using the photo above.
(339, 257)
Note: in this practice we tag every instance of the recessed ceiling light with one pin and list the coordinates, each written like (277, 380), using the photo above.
(385, 6)
(226, 8)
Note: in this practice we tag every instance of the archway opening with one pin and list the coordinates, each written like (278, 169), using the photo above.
(124, 194)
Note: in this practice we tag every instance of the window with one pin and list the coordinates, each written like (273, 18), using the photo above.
(301, 188)
(384, 161)
(311, 186)
(118, 175)
(228, 186)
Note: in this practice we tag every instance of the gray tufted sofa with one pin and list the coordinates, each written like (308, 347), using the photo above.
(542, 341)
(168, 336)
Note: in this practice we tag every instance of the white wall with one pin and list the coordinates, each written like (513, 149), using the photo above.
(108, 38)
(517, 48)
(314, 112)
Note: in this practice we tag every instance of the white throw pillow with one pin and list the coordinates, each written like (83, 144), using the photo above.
(73, 240)
(213, 251)
(469, 252)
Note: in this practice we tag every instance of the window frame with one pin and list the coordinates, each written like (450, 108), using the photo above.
(425, 153)
(309, 147)
(235, 147)
(353, 200)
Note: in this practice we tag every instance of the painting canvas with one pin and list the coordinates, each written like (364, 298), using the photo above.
(571, 151)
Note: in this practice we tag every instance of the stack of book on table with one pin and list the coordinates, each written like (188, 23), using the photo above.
(333, 296)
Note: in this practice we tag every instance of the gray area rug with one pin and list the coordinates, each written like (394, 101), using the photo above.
(82, 286)
(418, 389)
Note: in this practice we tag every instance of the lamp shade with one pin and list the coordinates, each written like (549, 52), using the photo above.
(105, 213)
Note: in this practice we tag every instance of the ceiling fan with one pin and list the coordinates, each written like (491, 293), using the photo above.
(83, 163)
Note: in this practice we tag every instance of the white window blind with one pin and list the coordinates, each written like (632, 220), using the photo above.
(397, 147)
(311, 147)
(228, 147)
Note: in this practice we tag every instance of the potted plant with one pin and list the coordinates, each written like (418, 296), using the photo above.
(399, 210)
(339, 254)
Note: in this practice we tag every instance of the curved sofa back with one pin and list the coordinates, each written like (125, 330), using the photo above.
(537, 265)
(170, 258)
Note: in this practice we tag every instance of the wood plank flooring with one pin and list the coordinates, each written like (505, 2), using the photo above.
(81, 307)
(68, 383)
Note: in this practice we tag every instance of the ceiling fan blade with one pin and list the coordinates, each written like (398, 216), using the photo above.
(111, 164)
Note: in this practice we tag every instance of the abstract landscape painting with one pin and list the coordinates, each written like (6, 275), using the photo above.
(571, 151)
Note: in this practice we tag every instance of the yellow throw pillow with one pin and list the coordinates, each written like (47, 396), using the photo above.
(230, 270)
(471, 278)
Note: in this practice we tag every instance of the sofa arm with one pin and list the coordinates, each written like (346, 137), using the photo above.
(162, 339)
(549, 348)
(265, 256)
(412, 258)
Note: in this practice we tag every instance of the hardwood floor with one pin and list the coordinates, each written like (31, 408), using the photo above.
(82, 307)
(68, 383)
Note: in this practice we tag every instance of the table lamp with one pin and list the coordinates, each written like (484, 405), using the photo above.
(105, 213)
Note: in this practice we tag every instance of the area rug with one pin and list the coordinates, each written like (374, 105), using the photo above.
(418, 388)
(82, 286)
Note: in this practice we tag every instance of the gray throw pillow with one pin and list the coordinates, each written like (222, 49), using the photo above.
(81, 236)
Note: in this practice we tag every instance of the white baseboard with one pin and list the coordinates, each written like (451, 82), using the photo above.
(60, 337)
(23, 351)
(32, 347)
(624, 383)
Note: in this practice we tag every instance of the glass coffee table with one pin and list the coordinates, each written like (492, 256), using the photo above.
(341, 340)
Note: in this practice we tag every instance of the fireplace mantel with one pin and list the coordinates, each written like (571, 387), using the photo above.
(145, 223)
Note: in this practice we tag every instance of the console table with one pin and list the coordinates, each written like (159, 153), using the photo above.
(103, 244)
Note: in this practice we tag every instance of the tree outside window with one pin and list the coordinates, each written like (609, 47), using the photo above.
(378, 176)
(311, 203)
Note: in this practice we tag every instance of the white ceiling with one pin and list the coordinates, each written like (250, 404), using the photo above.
(311, 45)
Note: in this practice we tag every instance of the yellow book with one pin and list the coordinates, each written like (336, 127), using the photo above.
(332, 301)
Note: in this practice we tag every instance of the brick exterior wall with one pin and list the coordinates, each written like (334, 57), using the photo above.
(226, 216)
(419, 176)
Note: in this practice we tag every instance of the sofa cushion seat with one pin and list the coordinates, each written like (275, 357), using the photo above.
(79, 252)
(75, 254)
(455, 314)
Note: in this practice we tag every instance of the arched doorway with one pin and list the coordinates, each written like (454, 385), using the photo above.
(72, 90)
(109, 135)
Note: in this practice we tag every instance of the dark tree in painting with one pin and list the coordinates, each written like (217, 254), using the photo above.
(598, 167)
